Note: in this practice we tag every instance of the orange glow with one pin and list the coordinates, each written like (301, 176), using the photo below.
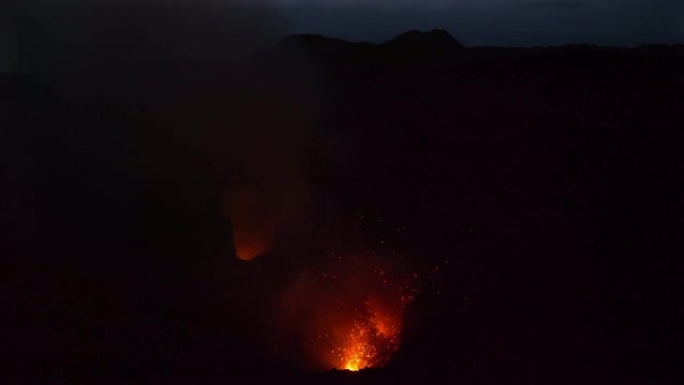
(373, 338)
(363, 347)
(348, 317)
(358, 354)
(252, 226)
(249, 245)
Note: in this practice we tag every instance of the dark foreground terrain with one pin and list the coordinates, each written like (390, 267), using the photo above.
(544, 183)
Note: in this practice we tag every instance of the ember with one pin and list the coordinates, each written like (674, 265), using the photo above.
(360, 351)
(350, 315)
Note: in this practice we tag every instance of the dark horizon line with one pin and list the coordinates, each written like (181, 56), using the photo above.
(666, 46)
(578, 44)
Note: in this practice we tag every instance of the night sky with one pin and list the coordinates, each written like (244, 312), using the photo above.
(495, 22)
(474, 22)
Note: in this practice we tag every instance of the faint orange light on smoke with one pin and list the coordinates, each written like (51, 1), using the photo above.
(248, 245)
(251, 221)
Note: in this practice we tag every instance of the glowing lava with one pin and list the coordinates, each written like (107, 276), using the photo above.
(347, 316)
(360, 351)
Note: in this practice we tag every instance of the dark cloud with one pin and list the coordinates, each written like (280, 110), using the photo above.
(78, 34)
(561, 5)
(668, 4)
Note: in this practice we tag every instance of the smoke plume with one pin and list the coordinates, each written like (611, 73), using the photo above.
(62, 35)
(187, 67)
